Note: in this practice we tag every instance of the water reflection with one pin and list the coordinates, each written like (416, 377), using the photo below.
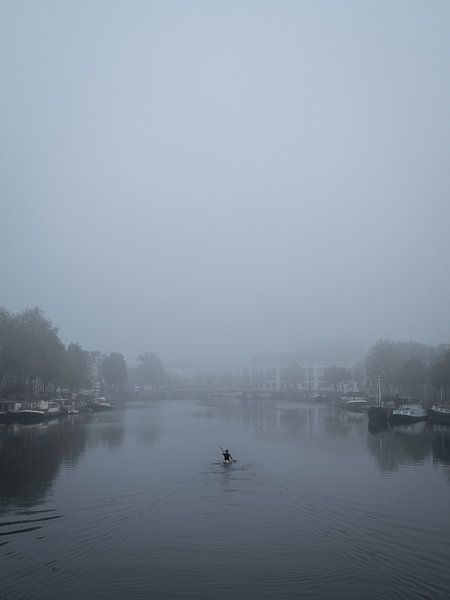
(305, 492)
(441, 444)
(409, 444)
(32, 456)
(393, 446)
(107, 429)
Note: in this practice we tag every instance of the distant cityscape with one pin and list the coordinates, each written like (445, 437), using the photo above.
(34, 363)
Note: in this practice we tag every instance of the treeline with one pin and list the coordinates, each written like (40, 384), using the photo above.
(34, 361)
(407, 368)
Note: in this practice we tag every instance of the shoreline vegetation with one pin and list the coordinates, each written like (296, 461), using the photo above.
(36, 365)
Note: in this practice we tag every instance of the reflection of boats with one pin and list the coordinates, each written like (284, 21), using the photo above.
(376, 425)
(410, 428)
(441, 443)
(440, 413)
(407, 413)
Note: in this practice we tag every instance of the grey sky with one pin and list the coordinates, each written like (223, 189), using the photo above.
(217, 179)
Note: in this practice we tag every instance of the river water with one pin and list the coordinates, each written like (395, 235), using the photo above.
(136, 504)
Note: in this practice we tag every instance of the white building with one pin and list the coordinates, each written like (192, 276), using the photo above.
(274, 372)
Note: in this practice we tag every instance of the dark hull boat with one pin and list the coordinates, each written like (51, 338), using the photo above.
(440, 414)
(379, 414)
(29, 415)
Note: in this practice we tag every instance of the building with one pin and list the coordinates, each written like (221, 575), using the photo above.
(277, 372)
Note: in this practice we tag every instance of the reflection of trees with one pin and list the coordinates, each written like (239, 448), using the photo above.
(400, 445)
(107, 432)
(441, 447)
(440, 444)
(339, 421)
(31, 456)
(383, 445)
(414, 441)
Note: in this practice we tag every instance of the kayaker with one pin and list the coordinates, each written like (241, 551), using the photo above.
(227, 456)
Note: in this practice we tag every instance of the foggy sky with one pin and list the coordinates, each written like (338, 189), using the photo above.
(218, 179)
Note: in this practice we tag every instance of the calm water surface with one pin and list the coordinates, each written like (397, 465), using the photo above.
(135, 504)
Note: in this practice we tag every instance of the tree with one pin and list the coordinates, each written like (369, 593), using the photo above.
(387, 359)
(150, 370)
(76, 372)
(114, 370)
(379, 362)
(412, 376)
(440, 373)
(5, 323)
(336, 376)
(32, 353)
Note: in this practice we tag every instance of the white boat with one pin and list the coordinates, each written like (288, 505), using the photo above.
(51, 408)
(319, 398)
(356, 404)
(101, 404)
(407, 413)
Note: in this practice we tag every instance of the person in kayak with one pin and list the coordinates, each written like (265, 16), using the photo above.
(227, 456)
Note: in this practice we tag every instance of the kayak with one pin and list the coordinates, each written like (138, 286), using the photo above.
(227, 462)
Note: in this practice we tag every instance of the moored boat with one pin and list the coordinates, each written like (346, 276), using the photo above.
(51, 408)
(29, 415)
(356, 404)
(408, 413)
(8, 410)
(100, 403)
(440, 413)
(319, 398)
(381, 413)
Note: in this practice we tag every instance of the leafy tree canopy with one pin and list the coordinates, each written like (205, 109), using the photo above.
(76, 372)
(114, 370)
(440, 373)
(150, 370)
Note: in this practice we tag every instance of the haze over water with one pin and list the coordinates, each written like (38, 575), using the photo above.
(211, 180)
(135, 503)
